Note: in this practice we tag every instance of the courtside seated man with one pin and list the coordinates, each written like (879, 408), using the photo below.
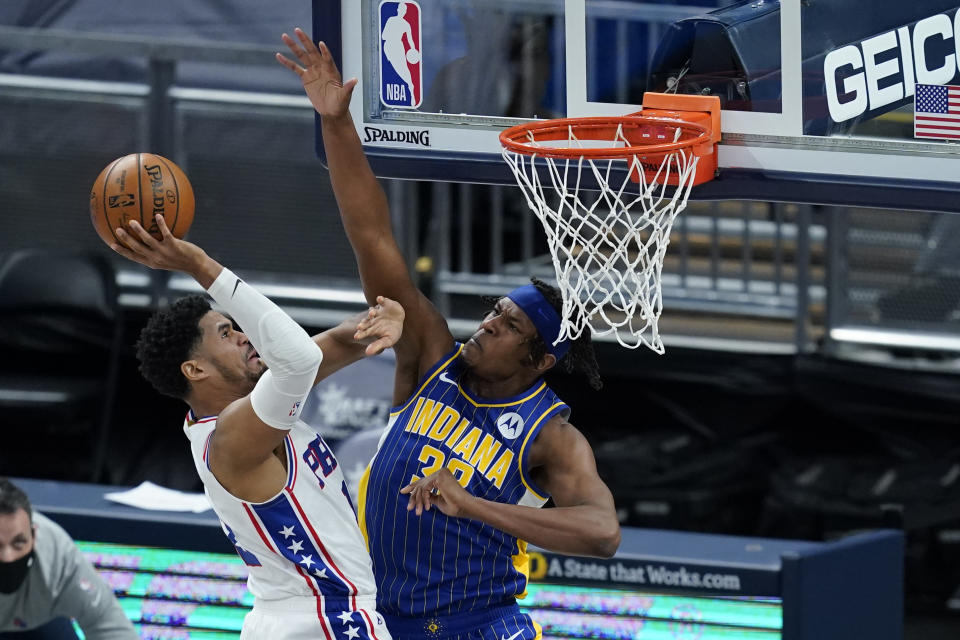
(477, 440)
(273, 482)
(44, 576)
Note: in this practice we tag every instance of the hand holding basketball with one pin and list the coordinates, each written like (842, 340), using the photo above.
(138, 187)
(319, 75)
(413, 56)
(135, 243)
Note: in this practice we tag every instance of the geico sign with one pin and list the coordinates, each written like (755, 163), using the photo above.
(854, 69)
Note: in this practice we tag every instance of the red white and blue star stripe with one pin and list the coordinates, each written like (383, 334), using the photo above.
(304, 543)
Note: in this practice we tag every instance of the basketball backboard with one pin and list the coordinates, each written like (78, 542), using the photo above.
(818, 95)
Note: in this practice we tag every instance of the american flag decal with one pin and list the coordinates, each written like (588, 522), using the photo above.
(936, 112)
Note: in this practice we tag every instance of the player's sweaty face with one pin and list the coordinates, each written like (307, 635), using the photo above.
(229, 349)
(502, 342)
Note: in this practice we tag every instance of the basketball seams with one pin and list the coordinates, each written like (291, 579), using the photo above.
(176, 188)
(103, 193)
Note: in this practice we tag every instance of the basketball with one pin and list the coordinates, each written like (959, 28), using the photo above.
(137, 187)
(413, 56)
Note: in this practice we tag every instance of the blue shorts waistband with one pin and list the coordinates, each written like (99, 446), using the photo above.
(442, 626)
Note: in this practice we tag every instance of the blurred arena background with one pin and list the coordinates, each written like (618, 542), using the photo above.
(811, 383)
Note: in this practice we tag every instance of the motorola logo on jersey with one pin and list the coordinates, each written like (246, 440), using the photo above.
(883, 69)
(401, 71)
(510, 425)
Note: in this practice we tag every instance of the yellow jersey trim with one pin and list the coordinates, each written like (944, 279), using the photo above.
(523, 448)
(506, 404)
(362, 507)
(443, 367)
(521, 562)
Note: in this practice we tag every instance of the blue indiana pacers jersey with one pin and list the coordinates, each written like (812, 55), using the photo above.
(434, 564)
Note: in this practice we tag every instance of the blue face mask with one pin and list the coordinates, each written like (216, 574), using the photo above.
(12, 574)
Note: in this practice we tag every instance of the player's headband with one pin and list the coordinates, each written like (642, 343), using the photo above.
(544, 317)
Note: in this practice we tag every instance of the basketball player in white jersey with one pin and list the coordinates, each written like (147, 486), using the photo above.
(272, 481)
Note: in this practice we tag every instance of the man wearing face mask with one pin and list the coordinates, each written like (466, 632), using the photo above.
(43, 575)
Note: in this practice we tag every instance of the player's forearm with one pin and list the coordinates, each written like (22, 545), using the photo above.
(344, 332)
(583, 530)
(205, 270)
(339, 347)
(175, 255)
(362, 202)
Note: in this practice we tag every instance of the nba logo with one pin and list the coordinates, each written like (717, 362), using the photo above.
(401, 74)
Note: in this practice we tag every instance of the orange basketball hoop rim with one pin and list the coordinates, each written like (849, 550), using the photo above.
(668, 126)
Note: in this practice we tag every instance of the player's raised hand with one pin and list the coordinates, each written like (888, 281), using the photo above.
(319, 75)
(169, 253)
(382, 326)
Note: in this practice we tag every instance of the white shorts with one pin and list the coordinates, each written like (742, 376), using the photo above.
(298, 619)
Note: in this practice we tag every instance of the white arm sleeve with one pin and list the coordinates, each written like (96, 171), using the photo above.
(291, 355)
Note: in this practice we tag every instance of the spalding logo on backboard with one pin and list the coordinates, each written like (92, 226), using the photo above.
(401, 71)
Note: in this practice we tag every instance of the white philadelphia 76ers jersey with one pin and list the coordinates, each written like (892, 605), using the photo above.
(304, 542)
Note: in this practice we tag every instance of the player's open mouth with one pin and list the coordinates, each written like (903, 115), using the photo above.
(253, 356)
(475, 343)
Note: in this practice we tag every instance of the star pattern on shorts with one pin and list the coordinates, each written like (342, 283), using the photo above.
(296, 547)
(353, 632)
(345, 617)
(286, 532)
(307, 560)
(321, 573)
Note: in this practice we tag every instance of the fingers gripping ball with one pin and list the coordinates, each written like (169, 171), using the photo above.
(137, 187)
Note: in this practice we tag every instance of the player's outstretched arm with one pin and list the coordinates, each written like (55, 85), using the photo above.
(169, 254)
(584, 521)
(367, 334)
(363, 204)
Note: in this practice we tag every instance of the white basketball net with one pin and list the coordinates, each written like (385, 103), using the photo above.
(607, 246)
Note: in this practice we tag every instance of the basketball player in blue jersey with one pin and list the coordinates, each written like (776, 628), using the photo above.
(476, 443)
(273, 482)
